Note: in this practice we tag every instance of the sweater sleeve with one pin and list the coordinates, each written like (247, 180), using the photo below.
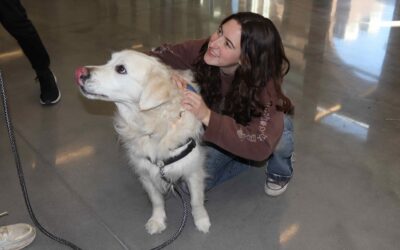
(179, 56)
(255, 142)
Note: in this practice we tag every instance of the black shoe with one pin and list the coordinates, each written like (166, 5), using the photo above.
(49, 93)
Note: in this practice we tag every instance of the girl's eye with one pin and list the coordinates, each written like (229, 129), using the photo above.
(228, 45)
(120, 69)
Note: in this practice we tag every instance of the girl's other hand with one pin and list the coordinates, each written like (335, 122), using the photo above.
(179, 81)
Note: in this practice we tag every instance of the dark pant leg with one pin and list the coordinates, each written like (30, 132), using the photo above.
(15, 20)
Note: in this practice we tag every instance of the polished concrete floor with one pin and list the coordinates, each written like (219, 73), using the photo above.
(344, 80)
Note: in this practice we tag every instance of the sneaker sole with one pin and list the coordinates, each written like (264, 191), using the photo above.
(272, 192)
(52, 102)
(56, 100)
(26, 242)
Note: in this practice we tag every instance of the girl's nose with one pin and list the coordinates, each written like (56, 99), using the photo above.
(216, 42)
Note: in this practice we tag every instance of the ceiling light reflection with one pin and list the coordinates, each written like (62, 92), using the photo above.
(266, 8)
(11, 54)
(217, 12)
(255, 5)
(66, 157)
(344, 124)
(288, 233)
(137, 46)
(324, 112)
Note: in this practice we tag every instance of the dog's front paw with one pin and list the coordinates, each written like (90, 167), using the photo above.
(154, 226)
(203, 224)
(201, 219)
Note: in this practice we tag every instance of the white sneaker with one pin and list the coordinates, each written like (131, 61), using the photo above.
(16, 236)
(275, 188)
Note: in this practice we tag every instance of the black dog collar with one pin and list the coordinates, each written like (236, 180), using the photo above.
(191, 144)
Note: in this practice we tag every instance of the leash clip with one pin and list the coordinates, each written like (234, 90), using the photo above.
(162, 175)
(160, 164)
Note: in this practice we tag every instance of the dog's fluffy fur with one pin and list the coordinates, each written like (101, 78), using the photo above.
(152, 125)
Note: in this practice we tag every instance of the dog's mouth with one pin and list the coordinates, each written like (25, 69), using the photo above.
(92, 95)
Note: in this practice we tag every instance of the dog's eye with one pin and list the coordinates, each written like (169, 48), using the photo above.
(120, 69)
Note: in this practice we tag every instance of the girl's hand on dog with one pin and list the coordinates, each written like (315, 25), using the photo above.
(192, 101)
(195, 104)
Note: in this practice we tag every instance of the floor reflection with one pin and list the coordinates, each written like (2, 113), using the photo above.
(342, 123)
(343, 81)
(359, 36)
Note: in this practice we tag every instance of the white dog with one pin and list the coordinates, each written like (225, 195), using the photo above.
(153, 127)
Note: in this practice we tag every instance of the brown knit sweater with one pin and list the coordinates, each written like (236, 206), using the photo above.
(257, 140)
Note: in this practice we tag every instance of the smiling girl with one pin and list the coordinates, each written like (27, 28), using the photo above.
(240, 70)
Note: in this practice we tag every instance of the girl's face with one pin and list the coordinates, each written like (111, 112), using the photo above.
(224, 47)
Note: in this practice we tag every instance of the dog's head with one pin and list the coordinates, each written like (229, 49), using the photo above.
(129, 77)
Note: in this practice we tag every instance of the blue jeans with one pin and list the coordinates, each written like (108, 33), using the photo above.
(222, 166)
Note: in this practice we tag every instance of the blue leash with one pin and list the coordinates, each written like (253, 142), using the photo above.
(191, 88)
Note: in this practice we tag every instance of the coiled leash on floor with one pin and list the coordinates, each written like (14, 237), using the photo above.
(17, 160)
(20, 172)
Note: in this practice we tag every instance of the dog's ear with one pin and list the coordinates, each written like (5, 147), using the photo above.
(155, 93)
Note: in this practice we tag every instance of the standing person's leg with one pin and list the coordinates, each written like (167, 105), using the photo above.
(15, 20)
(279, 169)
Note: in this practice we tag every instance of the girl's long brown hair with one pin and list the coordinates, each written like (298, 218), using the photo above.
(263, 61)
